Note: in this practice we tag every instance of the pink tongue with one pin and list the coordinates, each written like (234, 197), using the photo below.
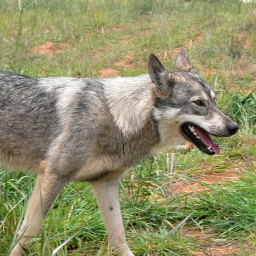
(207, 140)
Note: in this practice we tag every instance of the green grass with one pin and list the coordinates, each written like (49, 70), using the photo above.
(90, 35)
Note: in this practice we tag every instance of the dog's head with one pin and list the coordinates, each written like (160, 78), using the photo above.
(185, 102)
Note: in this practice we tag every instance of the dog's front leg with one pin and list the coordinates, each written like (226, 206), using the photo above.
(107, 193)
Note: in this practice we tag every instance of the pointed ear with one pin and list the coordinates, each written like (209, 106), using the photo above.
(155, 69)
(183, 63)
(162, 79)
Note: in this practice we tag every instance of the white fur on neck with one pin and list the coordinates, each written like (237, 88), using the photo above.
(169, 129)
(130, 100)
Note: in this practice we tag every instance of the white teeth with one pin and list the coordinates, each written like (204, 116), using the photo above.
(209, 148)
(192, 129)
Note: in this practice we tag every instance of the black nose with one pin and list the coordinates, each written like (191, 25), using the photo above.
(233, 128)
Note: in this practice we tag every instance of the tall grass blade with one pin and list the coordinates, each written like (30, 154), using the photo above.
(63, 244)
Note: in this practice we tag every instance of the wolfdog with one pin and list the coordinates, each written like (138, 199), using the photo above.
(95, 130)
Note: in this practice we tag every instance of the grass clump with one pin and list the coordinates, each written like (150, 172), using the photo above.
(229, 210)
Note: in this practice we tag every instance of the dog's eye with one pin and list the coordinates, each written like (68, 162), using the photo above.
(198, 102)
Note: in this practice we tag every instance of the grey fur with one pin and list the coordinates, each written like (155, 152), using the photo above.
(95, 130)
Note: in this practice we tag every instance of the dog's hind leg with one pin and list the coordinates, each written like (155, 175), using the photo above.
(106, 191)
(47, 188)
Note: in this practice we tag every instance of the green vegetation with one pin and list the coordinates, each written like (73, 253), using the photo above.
(83, 39)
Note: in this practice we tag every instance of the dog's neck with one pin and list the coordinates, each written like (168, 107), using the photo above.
(130, 100)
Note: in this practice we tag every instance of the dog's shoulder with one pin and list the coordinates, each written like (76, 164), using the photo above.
(130, 100)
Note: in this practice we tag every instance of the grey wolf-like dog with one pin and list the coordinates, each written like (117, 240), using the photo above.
(95, 130)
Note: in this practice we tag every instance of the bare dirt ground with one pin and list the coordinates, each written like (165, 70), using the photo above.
(109, 72)
(47, 48)
(200, 183)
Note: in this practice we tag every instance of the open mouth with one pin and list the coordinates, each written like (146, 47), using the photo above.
(200, 138)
